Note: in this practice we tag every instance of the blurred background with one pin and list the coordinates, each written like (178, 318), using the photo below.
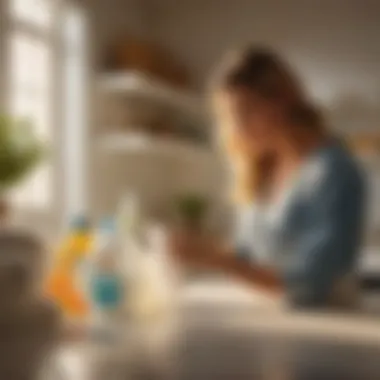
(116, 90)
(114, 94)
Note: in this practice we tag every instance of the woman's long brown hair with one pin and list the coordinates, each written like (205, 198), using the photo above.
(263, 73)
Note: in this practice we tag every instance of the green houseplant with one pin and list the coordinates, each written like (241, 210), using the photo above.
(192, 209)
(20, 152)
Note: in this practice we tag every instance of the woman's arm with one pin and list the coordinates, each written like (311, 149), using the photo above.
(324, 251)
(328, 248)
(201, 251)
(252, 273)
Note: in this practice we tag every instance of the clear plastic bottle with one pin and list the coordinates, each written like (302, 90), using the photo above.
(130, 235)
(105, 285)
(145, 265)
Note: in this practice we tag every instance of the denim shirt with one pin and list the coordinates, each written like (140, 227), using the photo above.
(312, 235)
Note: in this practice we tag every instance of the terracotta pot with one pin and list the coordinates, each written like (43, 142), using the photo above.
(150, 58)
(192, 225)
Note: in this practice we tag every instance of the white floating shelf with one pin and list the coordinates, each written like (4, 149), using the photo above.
(148, 145)
(135, 83)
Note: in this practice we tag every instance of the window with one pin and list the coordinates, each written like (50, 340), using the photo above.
(30, 98)
(30, 73)
(36, 12)
(42, 51)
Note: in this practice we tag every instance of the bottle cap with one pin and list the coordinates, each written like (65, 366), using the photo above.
(80, 222)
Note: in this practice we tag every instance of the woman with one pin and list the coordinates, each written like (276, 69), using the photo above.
(302, 194)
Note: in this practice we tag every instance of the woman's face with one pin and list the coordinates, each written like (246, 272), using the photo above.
(251, 120)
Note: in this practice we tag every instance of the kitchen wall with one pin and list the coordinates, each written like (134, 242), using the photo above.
(333, 43)
(114, 19)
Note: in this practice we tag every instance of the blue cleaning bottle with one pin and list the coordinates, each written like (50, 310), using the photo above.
(106, 285)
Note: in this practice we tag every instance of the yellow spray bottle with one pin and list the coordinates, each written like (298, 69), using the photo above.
(62, 285)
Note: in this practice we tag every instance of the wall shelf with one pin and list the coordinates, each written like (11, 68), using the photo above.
(135, 83)
(150, 137)
(128, 142)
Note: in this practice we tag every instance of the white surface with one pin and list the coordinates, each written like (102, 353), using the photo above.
(142, 143)
(137, 83)
(215, 308)
(255, 312)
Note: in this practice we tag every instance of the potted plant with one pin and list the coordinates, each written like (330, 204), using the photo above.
(20, 152)
(192, 209)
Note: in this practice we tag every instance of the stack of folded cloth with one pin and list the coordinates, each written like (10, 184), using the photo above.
(29, 324)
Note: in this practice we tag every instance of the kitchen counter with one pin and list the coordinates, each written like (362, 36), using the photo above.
(232, 333)
(224, 331)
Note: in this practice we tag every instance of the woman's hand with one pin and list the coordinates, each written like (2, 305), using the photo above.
(194, 248)
(202, 251)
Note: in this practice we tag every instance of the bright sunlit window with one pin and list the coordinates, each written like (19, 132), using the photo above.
(44, 60)
(37, 12)
(30, 73)
(30, 98)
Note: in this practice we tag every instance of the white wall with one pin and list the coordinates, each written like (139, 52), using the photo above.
(333, 43)
(114, 19)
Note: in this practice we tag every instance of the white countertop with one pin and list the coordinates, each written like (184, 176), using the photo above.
(224, 329)
(256, 311)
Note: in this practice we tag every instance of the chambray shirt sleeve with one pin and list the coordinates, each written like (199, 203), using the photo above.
(253, 240)
(328, 246)
(244, 227)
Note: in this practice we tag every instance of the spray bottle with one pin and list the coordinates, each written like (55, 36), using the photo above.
(105, 285)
